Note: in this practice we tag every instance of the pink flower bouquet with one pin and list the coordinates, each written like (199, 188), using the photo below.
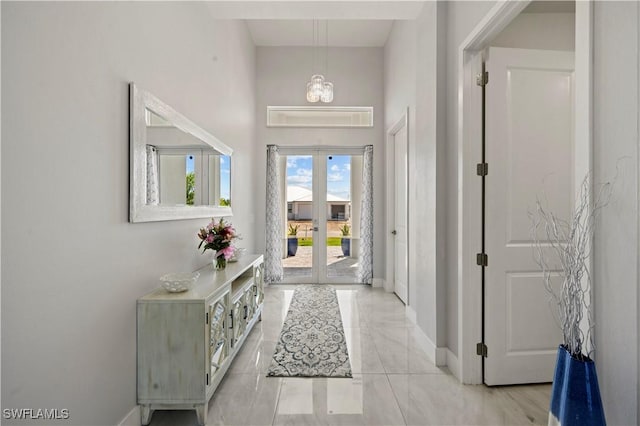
(218, 237)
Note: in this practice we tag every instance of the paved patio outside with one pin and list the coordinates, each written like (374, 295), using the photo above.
(338, 265)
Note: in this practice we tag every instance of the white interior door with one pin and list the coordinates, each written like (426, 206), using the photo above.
(401, 252)
(529, 149)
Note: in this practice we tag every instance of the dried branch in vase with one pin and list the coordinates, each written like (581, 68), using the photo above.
(565, 245)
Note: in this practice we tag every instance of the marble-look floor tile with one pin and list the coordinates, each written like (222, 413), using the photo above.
(349, 309)
(254, 357)
(363, 400)
(244, 399)
(362, 352)
(400, 353)
(440, 399)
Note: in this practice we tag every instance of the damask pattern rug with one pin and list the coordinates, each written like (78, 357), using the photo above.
(312, 342)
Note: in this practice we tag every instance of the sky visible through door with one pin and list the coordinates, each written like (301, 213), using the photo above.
(300, 173)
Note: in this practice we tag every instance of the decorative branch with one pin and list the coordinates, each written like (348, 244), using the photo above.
(569, 244)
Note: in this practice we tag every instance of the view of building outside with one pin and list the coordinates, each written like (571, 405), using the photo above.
(300, 194)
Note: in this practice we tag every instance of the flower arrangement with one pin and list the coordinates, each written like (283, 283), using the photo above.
(218, 236)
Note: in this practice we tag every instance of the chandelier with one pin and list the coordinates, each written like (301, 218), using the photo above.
(318, 89)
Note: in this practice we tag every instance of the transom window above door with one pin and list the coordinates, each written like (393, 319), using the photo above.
(306, 116)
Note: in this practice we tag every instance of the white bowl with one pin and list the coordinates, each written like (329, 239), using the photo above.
(181, 281)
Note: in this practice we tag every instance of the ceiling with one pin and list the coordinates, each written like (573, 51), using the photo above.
(360, 23)
(351, 23)
(344, 32)
(547, 6)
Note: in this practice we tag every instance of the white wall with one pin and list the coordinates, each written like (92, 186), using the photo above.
(413, 79)
(616, 135)
(547, 31)
(74, 266)
(400, 91)
(462, 17)
(356, 73)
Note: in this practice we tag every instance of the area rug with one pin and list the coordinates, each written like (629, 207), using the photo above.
(312, 342)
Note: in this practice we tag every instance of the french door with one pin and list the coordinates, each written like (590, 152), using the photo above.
(321, 217)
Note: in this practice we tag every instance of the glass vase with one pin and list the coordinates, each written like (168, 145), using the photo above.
(219, 263)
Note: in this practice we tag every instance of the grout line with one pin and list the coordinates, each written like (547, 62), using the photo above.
(395, 397)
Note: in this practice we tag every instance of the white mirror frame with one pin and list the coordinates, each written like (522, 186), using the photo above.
(139, 210)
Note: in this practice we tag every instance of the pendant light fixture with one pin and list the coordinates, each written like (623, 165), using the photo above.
(318, 89)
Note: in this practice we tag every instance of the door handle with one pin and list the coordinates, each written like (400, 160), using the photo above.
(394, 232)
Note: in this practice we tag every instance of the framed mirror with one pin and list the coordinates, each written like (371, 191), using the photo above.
(177, 169)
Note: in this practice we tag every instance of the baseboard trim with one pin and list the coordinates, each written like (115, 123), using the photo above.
(411, 314)
(454, 365)
(377, 282)
(131, 419)
(437, 355)
(388, 286)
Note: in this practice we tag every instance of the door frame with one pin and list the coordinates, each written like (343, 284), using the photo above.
(319, 185)
(467, 364)
(389, 284)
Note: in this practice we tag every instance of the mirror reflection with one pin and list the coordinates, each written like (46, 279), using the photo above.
(182, 170)
(178, 170)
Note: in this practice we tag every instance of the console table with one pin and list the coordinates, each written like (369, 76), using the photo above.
(186, 341)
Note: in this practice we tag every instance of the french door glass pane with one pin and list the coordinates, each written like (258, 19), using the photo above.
(299, 217)
(341, 259)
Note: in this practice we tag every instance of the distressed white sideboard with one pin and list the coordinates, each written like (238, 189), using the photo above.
(186, 341)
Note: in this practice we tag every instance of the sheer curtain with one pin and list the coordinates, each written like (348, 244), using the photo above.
(273, 249)
(152, 175)
(365, 256)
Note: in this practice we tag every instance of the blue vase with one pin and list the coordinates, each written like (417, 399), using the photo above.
(345, 243)
(292, 246)
(575, 394)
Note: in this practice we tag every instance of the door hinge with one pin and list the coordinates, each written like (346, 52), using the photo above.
(482, 169)
(207, 379)
(482, 259)
(481, 349)
(231, 318)
(206, 318)
(482, 78)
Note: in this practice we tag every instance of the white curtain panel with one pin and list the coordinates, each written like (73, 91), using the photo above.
(273, 249)
(152, 175)
(365, 256)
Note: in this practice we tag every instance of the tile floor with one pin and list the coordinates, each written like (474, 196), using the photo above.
(393, 381)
